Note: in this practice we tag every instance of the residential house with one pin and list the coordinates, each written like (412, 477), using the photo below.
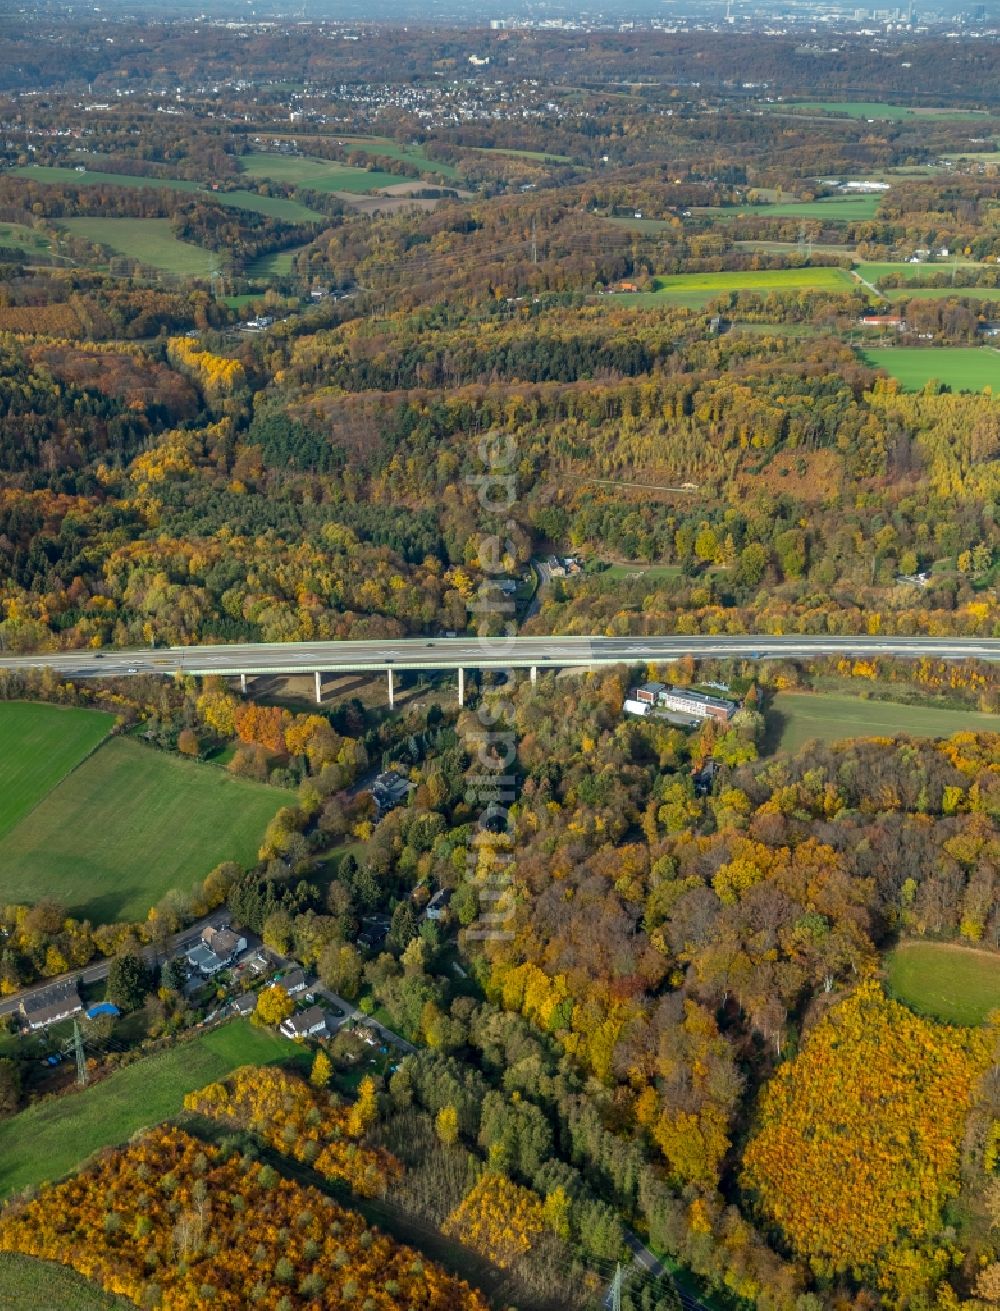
(294, 982)
(217, 948)
(59, 1002)
(438, 904)
(245, 1004)
(390, 790)
(311, 1023)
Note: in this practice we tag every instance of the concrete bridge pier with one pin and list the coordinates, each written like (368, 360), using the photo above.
(461, 687)
(243, 684)
(392, 691)
(319, 688)
(534, 675)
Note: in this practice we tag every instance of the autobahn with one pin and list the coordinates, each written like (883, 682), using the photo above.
(458, 653)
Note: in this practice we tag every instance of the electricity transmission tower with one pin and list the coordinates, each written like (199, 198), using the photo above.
(75, 1045)
(615, 1295)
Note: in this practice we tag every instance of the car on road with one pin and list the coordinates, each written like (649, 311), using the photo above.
(133, 669)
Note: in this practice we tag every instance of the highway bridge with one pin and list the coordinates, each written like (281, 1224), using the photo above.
(391, 655)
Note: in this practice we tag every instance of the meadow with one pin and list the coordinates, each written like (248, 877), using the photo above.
(148, 240)
(128, 825)
(797, 717)
(834, 209)
(322, 175)
(275, 265)
(41, 744)
(415, 155)
(941, 293)
(20, 237)
(631, 224)
(959, 985)
(30, 1285)
(912, 272)
(542, 156)
(877, 109)
(962, 368)
(270, 206)
(695, 290)
(52, 1138)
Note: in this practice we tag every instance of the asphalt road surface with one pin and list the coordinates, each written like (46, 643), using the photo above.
(99, 969)
(486, 653)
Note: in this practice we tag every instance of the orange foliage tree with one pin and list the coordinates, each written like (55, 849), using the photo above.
(179, 1224)
(859, 1141)
(302, 1122)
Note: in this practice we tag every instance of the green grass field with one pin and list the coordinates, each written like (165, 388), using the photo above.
(415, 155)
(277, 264)
(636, 225)
(271, 206)
(148, 240)
(912, 272)
(835, 209)
(698, 289)
(542, 156)
(52, 1138)
(41, 744)
(977, 157)
(942, 293)
(128, 825)
(30, 1285)
(877, 109)
(797, 717)
(323, 175)
(21, 237)
(962, 368)
(959, 985)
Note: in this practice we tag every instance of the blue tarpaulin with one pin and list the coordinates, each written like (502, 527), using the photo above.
(102, 1008)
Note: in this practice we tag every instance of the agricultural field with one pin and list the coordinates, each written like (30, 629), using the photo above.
(962, 368)
(541, 156)
(45, 1141)
(148, 240)
(834, 209)
(415, 155)
(323, 175)
(942, 293)
(698, 289)
(795, 248)
(875, 109)
(959, 985)
(794, 718)
(41, 744)
(270, 206)
(631, 224)
(913, 272)
(30, 1285)
(128, 825)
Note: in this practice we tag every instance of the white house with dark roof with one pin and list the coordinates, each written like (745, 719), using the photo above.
(311, 1023)
(59, 1002)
